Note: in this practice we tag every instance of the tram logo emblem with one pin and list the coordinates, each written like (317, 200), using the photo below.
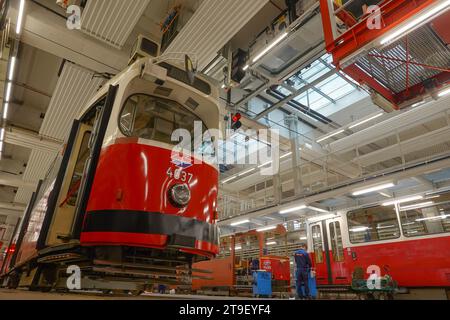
(181, 161)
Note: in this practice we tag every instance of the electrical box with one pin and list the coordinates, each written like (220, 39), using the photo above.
(143, 47)
(262, 283)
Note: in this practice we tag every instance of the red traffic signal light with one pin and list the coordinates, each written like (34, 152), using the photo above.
(236, 117)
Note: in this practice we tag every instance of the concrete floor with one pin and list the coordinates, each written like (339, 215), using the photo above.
(6, 294)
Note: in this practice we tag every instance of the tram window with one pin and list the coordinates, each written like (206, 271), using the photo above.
(426, 217)
(336, 241)
(155, 118)
(79, 169)
(373, 224)
(317, 243)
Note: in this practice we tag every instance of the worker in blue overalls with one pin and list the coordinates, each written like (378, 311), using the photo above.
(303, 267)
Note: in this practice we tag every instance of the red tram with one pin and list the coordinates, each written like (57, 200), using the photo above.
(409, 242)
(119, 202)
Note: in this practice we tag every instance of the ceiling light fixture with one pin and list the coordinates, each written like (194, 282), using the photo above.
(11, 68)
(20, 16)
(246, 172)
(330, 135)
(237, 223)
(417, 206)
(373, 189)
(398, 201)
(229, 179)
(441, 217)
(271, 243)
(301, 207)
(286, 155)
(246, 67)
(359, 229)
(270, 46)
(366, 120)
(266, 228)
(8, 91)
(5, 110)
(318, 209)
(417, 22)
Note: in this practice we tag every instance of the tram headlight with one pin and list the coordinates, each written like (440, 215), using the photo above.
(180, 195)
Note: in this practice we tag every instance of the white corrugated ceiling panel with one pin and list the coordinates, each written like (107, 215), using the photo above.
(212, 26)
(76, 86)
(112, 21)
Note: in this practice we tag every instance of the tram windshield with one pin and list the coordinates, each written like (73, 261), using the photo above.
(155, 118)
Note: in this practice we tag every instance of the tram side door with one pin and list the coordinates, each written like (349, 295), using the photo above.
(320, 254)
(335, 253)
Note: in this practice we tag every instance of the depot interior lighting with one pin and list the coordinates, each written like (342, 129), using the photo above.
(8, 91)
(444, 92)
(330, 135)
(246, 172)
(271, 243)
(417, 22)
(238, 248)
(246, 67)
(264, 164)
(441, 217)
(317, 209)
(238, 223)
(5, 110)
(286, 155)
(20, 16)
(270, 46)
(303, 238)
(301, 207)
(417, 206)
(229, 179)
(398, 201)
(12, 66)
(322, 217)
(359, 229)
(266, 228)
(366, 120)
(373, 189)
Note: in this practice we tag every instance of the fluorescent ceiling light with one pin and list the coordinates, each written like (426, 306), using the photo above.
(2, 134)
(417, 206)
(271, 243)
(373, 189)
(421, 18)
(20, 16)
(286, 155)
(386, 227)
(322, 217)
(367, 120)
(441, 217)
(359, 229)
(308, 145)
(303, 238)
(229, 179)
(389, 203)
(293, 209)
(11, 68)
(270, 46)
(265, 164)
(239, 222)
(8, 91)
(246, 172)
(330, 135)
(246, 67)
(444, 92)
(266, 228)
(5, 110)
(318, 209)
(238, 248)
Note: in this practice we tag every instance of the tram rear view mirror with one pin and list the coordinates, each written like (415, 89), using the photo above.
(190, 69)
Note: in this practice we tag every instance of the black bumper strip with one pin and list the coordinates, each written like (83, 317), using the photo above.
(124, 221)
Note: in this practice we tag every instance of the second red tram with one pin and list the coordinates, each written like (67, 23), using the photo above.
(409, 242)
(120, 202)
